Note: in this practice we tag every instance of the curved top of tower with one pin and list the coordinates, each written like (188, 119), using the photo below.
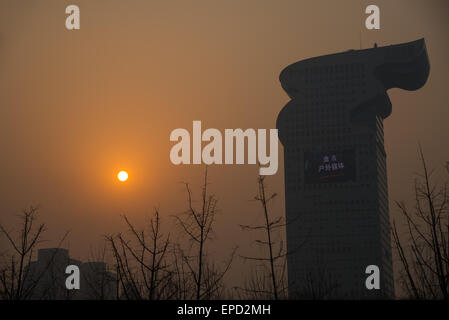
(404, 66)
(354, 81)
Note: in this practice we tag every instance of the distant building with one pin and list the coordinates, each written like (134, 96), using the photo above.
(335, 167)
(46, 278)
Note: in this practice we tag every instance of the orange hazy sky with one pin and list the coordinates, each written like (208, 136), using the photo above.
(76, 107)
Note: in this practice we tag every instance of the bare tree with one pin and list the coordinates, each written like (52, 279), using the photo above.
(18, 281)
(256, 286)
(126, 275)
(197, 224)
(98, 282)
(13, 275)
(142, 267)
(424, 255)
(182, 282)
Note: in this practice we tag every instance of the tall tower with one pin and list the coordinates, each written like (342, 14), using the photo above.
(335, 167)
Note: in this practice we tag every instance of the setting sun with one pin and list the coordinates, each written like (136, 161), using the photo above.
(122, 176)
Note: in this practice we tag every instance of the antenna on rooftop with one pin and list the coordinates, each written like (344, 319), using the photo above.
(361, 23)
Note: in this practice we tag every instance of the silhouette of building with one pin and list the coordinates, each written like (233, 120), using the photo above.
(335, 167)
(46, 278)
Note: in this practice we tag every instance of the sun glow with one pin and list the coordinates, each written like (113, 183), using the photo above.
(122, 176)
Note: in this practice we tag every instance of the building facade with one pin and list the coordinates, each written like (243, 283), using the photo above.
(335, 167)
(46, 277)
